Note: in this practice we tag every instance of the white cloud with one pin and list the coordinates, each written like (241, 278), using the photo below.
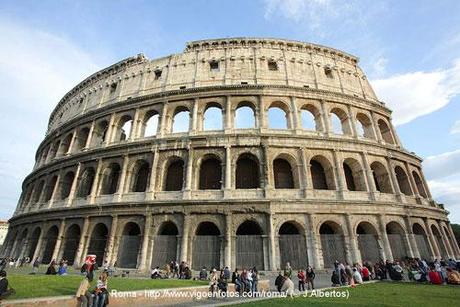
(442, 165)
(414, 94)
(455, 128)
(36, 69)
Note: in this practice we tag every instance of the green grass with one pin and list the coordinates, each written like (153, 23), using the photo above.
(28, 286)
(379, 294)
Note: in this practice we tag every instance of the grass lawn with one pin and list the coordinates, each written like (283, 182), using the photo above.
(379, 294)
(40, 285)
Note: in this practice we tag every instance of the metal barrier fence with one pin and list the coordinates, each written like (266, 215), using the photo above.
(333, 246)
(128, 251)
(423, 247)
(206, 252)
(398, 249)
(369, 247)
(293, 249)
(164, 250)
(249, 252)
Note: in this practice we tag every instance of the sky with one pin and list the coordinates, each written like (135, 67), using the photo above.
(410, 51)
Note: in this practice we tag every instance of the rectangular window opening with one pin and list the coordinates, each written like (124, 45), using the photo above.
(272, 65)
(158, 74)
(214, 65)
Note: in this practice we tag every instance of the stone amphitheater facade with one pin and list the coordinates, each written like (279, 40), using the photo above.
(242, 195)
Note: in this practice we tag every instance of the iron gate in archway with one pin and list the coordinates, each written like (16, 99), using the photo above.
(293, 249)
(423, 247)
(333, 249)
(206, 252)
(164, 250)
(249, 252)
(369, 247)
(398, 249)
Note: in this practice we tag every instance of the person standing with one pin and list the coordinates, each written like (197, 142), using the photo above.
(83, 295)
(310, 277)
(255, 279)
(301, 277)
(288, 270)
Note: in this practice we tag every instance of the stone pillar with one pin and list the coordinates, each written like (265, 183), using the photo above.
(38, 249)
(455, 246)
(162, 120)
(153, 173)
(90, 136)
(313, 243)
(229, 124)
(376, 128)
(295, 116)
(121, 185)
(110, 130)
(393, 180)
(273, 256)
(266, 173)
(111, 253)
(194, 122)
(325, 117)
(55, 189)
(431, 239)
(144, 263)
(412, 184)
(73, 188)
(185, 238)
(134, 133)
(386, 243)
(411, 238)
(71, 144)
(338, 173)
(305, 172)
(228, 171)
(353, 241)
(82, 244)
(352, 120)
(95, 187)
(445, 240)
(58, 245)
(371, 188)
(189, 175)
(228, 240)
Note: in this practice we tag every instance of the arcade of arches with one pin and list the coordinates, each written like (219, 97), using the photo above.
(265, 241)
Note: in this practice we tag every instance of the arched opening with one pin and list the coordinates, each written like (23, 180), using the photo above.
(292, 244)
(50, 188)
(212, 118)
(368, 242)
(422, 241)
(332, 243)
(130, 244)
(210, 174)
(165, 244)
(249, 246)
(123, 128)
(86, 183)
(71, 241)
(364, 126)
(438, 237)
(82, 138)
(66, 184)
(395, 234)
(403, 181)
(65, 145)
(206, 246)
(150, 124)
(381, 178)
(419, 184)
(282, 172)
(322, 176)
(33, 243)
(38, 191)
(385, 132)
(99, 133)
(50, 243)
(181, 120)
(175, 176)
(310, 118)
(21, 244)
(277, 118)
(111, 176)
(98, 242)
(141, 176)
(245, 117)
(247, 172)
(339, 122)
(354, 175)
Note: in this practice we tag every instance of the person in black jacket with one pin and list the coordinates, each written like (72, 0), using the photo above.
(5, 291)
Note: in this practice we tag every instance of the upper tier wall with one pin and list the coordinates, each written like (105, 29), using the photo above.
(238, 61)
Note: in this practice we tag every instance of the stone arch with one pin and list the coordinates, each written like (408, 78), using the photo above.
(311, 118)
(245, 115)
(340, 122)
(130, 246)
(81, 138)
(181, 120)
(110, 179)
(210, 176)
(385, 131)
(403, 181)
(368, 242)
(354, 175)
(283, 173)
(247, 174)
(396, 237)
(50, 240)
(174, 174)
(99, 133)
(140, 176)
(22, 240)
(438, 238)
(332, 243)
(86, 182)
(206, 246)
(249, 245)
(38, 190)
(150, 124)
(65, 145)
(66, 184)
(165, 244)
(71, 241)
(322, 173)
(55, 150)
(419, 184)
(381, 177)
(98, 242)
(278, 116)
(422, 241)
(213, 116)
(33, 243)
(292, 245)
(364, 126)
(123, 128)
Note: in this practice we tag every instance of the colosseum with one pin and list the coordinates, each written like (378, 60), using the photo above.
(237, 152)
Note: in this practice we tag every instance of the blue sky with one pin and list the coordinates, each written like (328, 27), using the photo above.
(409, 49)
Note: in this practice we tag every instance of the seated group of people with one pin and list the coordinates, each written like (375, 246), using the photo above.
(246, 281)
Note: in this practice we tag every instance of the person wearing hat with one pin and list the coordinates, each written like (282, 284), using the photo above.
(4, 290)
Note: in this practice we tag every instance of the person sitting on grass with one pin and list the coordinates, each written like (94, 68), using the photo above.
(213, 280)
(51, 268)
(335, 279)
(279, 281)
(453, 277)
(288, 286)
(435, 276)
(366, 274)
(62, 267)
(155, 273)
(5, 291)
(187, 273)
(357, 276)
(203, 274)
(83, 295)
(100, 294)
